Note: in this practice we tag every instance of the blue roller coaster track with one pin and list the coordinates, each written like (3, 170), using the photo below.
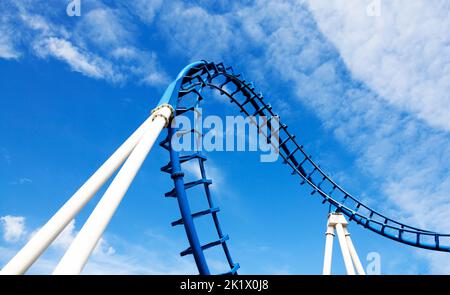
(184, 94)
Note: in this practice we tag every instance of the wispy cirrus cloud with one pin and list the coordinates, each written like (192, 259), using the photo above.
(403, 54)
(208, 36)
(13, 228)
(145, 10)
(100, 45)
(7, 50)
(8, 46)
(382, 135)
(83, 62)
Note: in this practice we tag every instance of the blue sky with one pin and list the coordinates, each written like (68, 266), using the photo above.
(366, 94)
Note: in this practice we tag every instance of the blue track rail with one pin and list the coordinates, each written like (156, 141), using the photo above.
(187, 89)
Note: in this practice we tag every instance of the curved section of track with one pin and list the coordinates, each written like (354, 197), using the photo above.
(185, 93)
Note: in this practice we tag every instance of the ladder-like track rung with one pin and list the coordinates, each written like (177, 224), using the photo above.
(265, 106)
(308, 177)
(182, 110)
(199, 79)
(197, 182)
(288, 156)
(251, 99)
(267, 122)
(238, 89)
(230, 69)
(189, 185)
(299, 166)
(324, 178)
(183, 92)
(345, 198)
(165, 144)
(192, 156)
(168, 168)
(197, 214)
(286, 140)
(332, 190)
(227, 80)
(206, 246)
(401, 231)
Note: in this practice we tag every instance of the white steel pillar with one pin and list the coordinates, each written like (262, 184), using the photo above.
(20, 263)
(353, 253)
(78, 253)
(337, 221)
(344, 249)
(329, 236)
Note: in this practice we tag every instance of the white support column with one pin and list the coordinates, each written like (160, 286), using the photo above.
(20, 263)
(329, 236)
(351, 260)
(344, 249)
(78, 253)
(353, 253)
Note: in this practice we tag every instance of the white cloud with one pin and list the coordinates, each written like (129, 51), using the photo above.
(112, 33)
(83, 62)
(145, 10)
(403, 54)
(155, 78)
(13, 228)
(102, 44)
(7, 49)
(38, 23)
(149, 70)
(208, 36)
(104, 27)
(125, 53)
(8, 46)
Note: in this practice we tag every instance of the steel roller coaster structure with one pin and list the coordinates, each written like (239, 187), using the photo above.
(181, 97)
